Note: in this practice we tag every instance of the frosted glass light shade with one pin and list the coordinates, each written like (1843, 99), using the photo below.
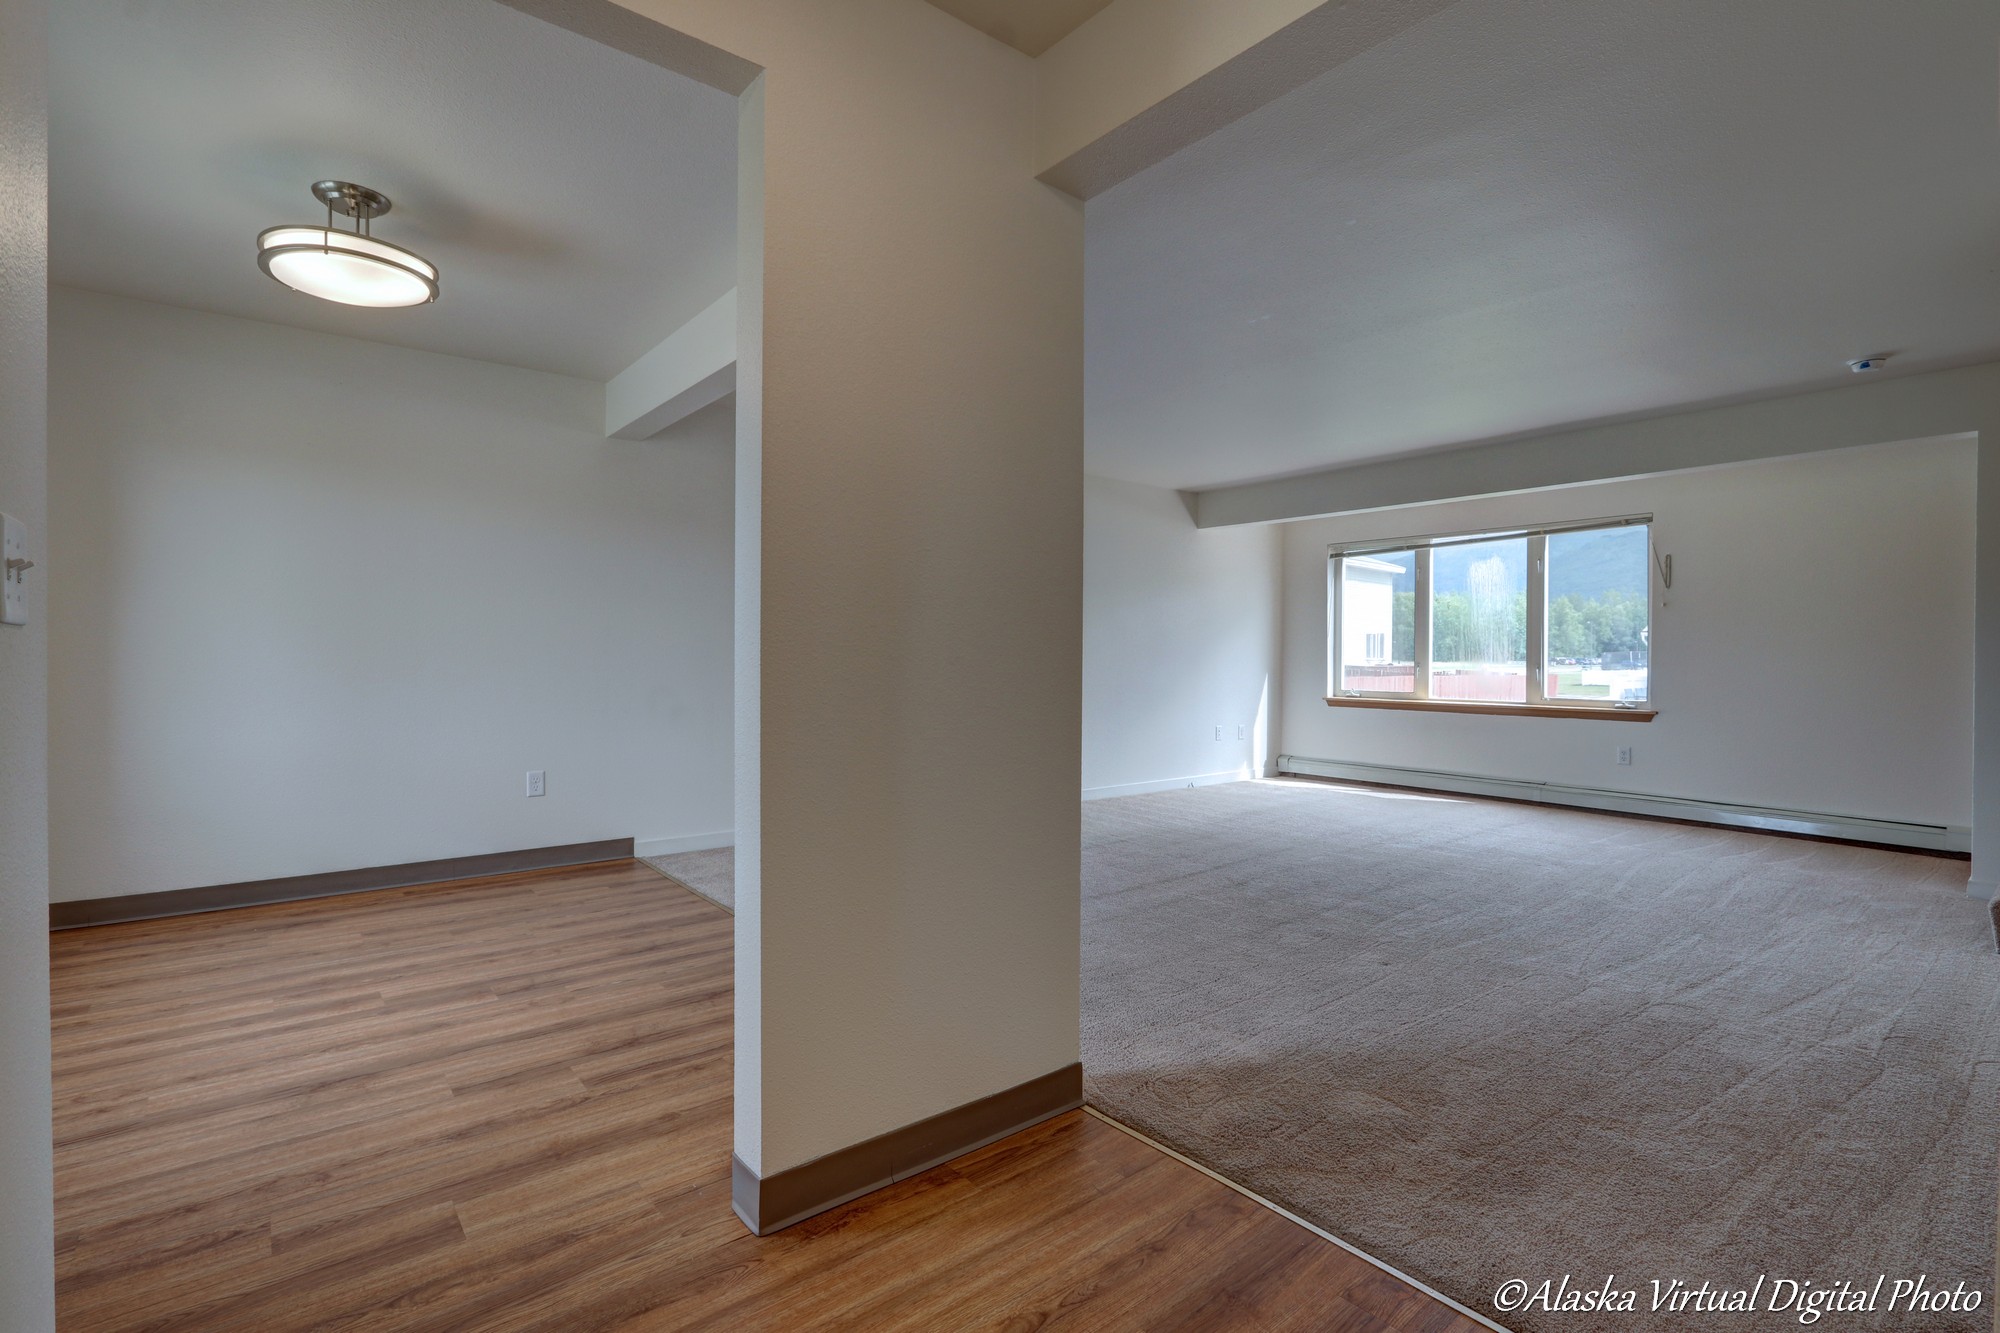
(341, 266)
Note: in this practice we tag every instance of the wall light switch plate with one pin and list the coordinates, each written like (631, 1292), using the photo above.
(14, 567)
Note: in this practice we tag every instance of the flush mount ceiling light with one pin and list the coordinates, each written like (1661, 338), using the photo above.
(350, 267)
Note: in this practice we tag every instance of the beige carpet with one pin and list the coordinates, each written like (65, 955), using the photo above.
(711, 874)
(1486, 1041)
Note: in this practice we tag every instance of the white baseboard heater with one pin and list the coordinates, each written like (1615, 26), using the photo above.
(1854, 828)
(695, 842)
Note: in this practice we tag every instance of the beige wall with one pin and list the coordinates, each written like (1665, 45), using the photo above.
(27, 1225)
(1814, 653)
(908, 916)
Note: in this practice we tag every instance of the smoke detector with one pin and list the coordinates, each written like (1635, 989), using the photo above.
(1868, 363)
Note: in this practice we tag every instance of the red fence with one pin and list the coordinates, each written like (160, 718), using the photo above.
(1489, 686)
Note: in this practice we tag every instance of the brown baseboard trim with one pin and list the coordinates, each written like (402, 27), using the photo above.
(771, 1203)
(222, 897)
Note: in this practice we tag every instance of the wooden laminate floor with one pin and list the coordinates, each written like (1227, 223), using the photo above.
(504, 1104)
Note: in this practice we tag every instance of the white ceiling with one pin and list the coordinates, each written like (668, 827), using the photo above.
(580, 202)
(1029, 26)
(1526, 213)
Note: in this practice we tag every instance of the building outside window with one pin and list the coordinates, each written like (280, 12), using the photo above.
(1378, 657)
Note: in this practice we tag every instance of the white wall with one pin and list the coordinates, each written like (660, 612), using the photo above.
(320, 604)
(1180, 636)
(907, 937)
(1786, 665)
(27, 1217)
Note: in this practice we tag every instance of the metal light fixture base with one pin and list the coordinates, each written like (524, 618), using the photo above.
(351, 200)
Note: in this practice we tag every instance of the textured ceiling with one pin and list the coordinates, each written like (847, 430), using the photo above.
(580, 202)
(1030, 26)
(1526, 213)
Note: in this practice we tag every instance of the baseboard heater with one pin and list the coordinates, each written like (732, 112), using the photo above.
(1849, 828)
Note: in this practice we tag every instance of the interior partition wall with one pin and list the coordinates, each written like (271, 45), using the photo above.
(909, 573)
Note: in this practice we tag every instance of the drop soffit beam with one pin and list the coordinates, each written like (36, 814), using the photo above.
(1143, 79)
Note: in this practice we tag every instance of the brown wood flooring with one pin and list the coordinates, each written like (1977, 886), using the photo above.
(504, 1104)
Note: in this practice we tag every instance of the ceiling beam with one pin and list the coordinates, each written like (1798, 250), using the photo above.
(694, 367)
(1143, 79)
(636, 35)
(1886, 411)
(1029, 26)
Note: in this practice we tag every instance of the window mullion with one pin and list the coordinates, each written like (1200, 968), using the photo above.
(1422, 635)
(1538, 618)
(1334, 677)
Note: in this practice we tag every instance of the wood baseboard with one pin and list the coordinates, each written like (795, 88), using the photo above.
(222, 897)
(771, 1203)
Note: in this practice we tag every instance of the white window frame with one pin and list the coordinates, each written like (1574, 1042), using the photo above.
(1537, 629)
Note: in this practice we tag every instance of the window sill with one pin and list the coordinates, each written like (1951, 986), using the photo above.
(1501, 710)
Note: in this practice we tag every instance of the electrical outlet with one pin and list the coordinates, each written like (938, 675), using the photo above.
(1218, 733)
(538, 782)
(1625, 756)
(1242, 732)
